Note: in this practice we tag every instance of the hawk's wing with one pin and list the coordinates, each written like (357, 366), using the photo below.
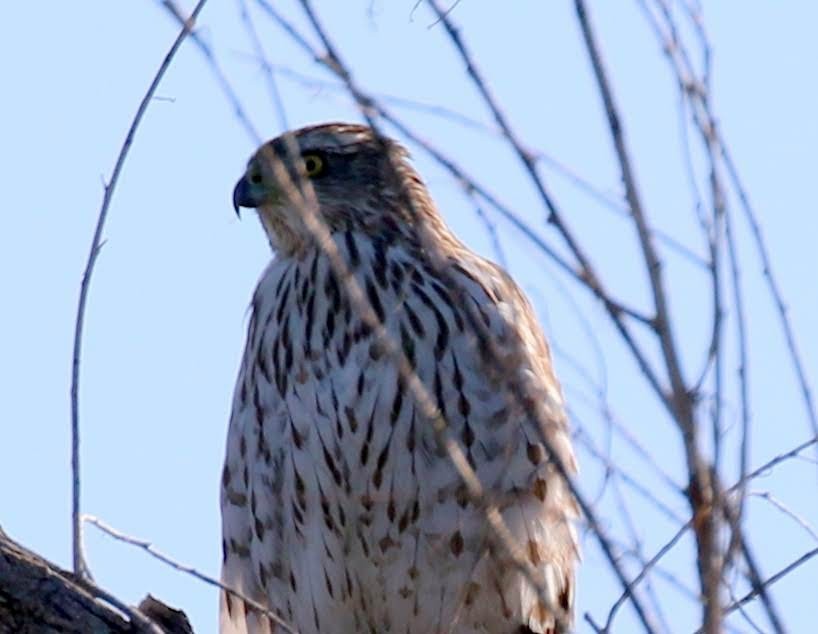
(251, 399)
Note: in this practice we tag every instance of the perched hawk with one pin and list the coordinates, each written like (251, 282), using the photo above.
(341, 510)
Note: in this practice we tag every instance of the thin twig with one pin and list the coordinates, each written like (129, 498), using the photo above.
(767, 466)
(615, 204)
(775, 291)
(771, 580)
(266, 67)
(622, 430)
(80, 569)
(224, 83)
(157, 554)
(743, 369)
(798, 519)
(642, 573)
(631, 481)
(622, 507)
(747, 618)
(692, 594)
(489, 225)
(754, 572)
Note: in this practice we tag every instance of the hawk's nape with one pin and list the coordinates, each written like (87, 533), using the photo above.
(341, 511)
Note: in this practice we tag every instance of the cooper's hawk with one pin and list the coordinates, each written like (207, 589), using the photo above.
(341, 511)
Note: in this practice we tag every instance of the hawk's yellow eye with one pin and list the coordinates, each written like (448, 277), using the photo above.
(313, 164)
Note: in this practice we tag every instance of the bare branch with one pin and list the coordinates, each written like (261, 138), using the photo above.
(80, 569)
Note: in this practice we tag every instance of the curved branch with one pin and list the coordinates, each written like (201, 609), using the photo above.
(80, 569)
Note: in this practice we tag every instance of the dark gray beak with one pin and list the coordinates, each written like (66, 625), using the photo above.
(242, 196)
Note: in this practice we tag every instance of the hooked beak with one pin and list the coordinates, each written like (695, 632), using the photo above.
(243, 196)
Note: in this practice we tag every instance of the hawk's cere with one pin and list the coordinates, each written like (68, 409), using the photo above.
(341, 511)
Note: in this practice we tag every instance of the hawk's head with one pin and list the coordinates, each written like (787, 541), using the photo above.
(355, 180)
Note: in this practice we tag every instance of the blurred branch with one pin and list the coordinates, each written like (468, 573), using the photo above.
(733, 520)
(266, 67)
(744, 393)
(798, 519)
(80, 568)
(436, 110)
(634, 527)
(642, 490)
(768, 466)
(490, 226)
(770, 581)
(643, 573)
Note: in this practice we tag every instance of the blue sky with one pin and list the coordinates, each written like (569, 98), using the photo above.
(166, 317)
